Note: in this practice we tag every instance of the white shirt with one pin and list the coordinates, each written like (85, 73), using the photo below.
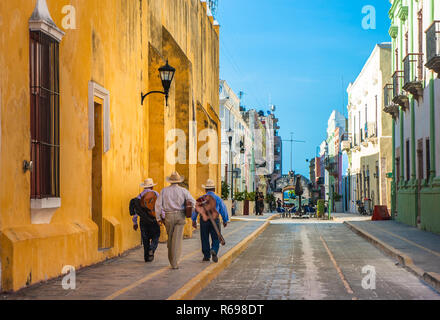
(172, 199)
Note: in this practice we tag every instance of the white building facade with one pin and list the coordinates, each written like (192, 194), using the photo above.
(242, 144)
(370, 132)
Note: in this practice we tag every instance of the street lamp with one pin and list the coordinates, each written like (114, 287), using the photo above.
(230, 134)
(166, 75)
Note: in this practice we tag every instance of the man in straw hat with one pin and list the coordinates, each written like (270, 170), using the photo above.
(172, 201)
(206, 227)
(144, 206)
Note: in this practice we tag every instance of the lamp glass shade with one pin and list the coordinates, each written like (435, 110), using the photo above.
(229, 133)
(166, 75)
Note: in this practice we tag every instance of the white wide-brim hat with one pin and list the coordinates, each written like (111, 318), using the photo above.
(148, 183)
(175, 177)
(210, 184)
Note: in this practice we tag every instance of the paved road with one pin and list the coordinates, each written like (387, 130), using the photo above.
(293, 260)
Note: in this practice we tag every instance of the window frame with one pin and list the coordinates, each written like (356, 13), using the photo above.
(44, 117)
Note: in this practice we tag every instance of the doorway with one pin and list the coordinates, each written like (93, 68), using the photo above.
(97, 153)
(419, 177)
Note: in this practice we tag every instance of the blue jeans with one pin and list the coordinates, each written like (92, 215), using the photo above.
(206, 230)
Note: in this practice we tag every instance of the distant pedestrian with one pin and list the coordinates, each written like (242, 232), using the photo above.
(172, 201)
(143, 206)
(280, 208)
(206, 227)
(233, 207)
(261, 203)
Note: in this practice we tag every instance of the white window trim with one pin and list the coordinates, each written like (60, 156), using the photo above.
(95, 90)
(46, 28)
(41, 20)
(45, 203)
(42, 210)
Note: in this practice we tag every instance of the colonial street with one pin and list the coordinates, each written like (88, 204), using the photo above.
(290, 259)
(307, 260)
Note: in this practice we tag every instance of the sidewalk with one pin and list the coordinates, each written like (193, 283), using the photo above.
(252, 217)
(129, 277)
(417, 250)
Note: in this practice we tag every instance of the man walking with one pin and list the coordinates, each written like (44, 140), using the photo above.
(206, 227)
(172, 201)
(143, 206)
(260, 201)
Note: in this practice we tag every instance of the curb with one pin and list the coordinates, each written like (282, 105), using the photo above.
(432, 278)
(193, 287)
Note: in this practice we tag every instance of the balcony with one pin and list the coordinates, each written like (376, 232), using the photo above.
(413, 74)
(320, 181)
(331, 166)
(346, 145)
(346, 141)
(399, 96)
(389, 106)
(433, 47)
(371, 130)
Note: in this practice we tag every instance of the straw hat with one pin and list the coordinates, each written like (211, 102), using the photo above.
(175, 177)
(210, 184)
(148, 183)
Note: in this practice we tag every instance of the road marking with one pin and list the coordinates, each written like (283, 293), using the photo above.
(249, 219)
(409, 241)
(341, 275)
(158, 272)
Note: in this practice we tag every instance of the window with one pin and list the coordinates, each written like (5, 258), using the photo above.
(45, 116)
(364, 183)
(420, 159)
(354, 131)
(397, 169)
(428, 160)
(420, 40)
(406, 43)
(368, 182)
(376, 130)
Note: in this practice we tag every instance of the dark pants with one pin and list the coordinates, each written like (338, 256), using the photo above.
(150, 240)
(206, 230)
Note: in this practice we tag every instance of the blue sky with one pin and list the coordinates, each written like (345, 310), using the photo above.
(300, 55)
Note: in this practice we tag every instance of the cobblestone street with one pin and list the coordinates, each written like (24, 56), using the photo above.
(306, 260)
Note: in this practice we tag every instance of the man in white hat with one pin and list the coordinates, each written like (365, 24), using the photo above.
(144, 205)
(171, 201)
(206, 227)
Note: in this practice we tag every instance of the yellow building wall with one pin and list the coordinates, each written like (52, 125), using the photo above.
(118, 44)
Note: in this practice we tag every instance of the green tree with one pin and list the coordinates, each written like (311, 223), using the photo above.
(250, 196)
(239, 196)
(225, 190)
(270, 198)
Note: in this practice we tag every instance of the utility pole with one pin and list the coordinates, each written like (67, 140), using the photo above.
(291, 148)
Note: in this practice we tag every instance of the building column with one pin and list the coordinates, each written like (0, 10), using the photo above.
(413, 141)
(432, 127)
(432, 113)
(402, 147)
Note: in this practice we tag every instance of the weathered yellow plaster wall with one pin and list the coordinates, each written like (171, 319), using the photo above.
(118, 44)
